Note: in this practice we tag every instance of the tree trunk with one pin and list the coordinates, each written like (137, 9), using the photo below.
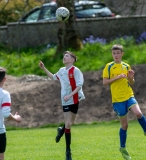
(68, 35)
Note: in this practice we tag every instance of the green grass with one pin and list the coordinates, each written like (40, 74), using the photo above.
(89, 142)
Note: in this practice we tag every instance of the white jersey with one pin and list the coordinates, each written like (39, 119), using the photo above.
(5, 103)
(70, 79)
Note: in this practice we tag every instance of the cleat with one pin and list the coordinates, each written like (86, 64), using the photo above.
(125, 153)
(57, 139)
(68, 155)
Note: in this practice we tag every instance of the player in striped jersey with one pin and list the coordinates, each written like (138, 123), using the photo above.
(120, 77)
(5, 112)
(71, 80)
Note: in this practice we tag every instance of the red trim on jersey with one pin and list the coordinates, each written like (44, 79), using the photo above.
(73, 84)
(6, 104)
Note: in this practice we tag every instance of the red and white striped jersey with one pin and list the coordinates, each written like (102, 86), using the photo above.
(5, 103)
(70, 79)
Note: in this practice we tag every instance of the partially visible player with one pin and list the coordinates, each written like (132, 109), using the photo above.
(120, 77)
(71, 80)
(5, 112)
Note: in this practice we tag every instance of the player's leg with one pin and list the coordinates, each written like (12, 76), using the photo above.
(1, 156)
(123, 137)
(60, 132)
(69, 121)
(123, 131)
(140, 117)
(134, 107)
(121, 109)
(3, 145)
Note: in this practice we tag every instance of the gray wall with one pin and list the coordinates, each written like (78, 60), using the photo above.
(20, 35)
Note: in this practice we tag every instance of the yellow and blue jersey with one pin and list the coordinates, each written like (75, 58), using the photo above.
(120, 89)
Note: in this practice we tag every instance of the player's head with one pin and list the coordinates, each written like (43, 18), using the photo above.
(117, 47)
(69, 57)
(117, 52)
(2, 74)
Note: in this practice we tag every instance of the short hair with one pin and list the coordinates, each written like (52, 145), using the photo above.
(2, 73)
(72, 55)
(117, 47)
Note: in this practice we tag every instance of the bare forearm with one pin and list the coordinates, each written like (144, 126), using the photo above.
(66, 98)
(49, 74)
(75, 91)
(11, 117)
(108, 81)
(131, 81)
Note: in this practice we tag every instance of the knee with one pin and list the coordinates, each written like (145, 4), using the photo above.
(68, 124)
(125, 126)
(138, 115)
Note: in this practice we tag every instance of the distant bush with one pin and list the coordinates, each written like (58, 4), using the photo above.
(141, 38)
(93, 39)
(92, 57)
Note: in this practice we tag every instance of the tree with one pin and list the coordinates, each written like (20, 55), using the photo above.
(68, 35)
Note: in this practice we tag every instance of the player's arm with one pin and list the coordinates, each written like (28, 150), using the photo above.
(107, 81)
(15, 117)
(66, 98)
(42, 66)
(6, 109)
(131, 76)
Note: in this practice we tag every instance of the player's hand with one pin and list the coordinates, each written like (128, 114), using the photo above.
(121, 76)
(17, 117)
(66, 98)
(41, 65)
(131, 74)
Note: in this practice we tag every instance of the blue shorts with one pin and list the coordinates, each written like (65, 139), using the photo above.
(121, 108)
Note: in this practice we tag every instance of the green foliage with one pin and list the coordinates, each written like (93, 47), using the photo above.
(89, 142)
(91, 58)
(125, 41)
(11, 11)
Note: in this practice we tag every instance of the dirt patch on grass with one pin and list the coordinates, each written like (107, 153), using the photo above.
(37, 99)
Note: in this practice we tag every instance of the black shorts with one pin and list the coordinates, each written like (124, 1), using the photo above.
(71, 108)
(2, 142)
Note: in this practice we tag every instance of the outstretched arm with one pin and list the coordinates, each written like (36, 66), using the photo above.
(42, 66)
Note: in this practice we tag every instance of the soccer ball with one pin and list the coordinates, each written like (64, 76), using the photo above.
(62, 14)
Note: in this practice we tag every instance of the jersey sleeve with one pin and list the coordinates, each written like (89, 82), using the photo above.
(105, 72)
(56, 75)
(78, 78)
(6, 105)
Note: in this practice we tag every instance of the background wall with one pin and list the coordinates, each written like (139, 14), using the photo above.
(20, 35)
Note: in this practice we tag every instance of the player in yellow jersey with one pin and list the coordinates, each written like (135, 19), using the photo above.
(120, 77)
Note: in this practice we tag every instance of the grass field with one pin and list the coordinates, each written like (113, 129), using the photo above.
(89, 142)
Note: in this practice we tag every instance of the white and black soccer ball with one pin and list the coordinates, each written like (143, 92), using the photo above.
(62, 14)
